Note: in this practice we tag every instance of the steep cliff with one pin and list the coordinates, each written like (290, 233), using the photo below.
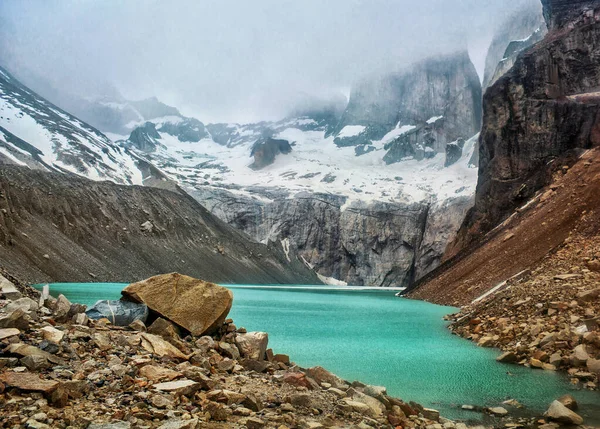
(522, 29)
(443, 90)
(538, 178)
(538, 117)
(55, 227)
(362, 244)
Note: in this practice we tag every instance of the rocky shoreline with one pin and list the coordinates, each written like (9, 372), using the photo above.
(546, 318)
(61, 369)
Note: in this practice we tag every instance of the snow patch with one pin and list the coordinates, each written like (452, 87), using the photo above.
(331, 281)
(434, 119)
(351, 131)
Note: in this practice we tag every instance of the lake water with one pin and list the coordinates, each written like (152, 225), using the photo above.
(379, 339)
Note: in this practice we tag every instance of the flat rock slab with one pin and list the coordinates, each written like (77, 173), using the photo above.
(568, 276)
(50, 333)
(156, 345)
(8, 332)
(199, 307)
(181, 387)
(157, 373)
(28, 381)
(25, 350)
(180, 424)
(117, 425)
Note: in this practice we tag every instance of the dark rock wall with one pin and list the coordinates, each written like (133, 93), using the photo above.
(376, 244)
(538, 117)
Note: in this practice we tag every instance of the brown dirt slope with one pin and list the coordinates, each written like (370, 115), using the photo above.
(523, 240)
(60, 228)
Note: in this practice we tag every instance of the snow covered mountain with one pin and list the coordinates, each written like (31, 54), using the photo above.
(36, 133)
(358, 200)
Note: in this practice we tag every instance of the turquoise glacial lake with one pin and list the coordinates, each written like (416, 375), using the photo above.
(379, 339)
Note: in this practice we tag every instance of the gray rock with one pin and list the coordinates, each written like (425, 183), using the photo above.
(120, 313)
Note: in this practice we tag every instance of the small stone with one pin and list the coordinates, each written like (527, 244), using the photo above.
(179, 388)
(508, 357)
(431, 414)
(9, 290)
(158, 346)
(138, 325)
(580, 356)
(486, 342)
(50, 333)
(157, 373)
(160, 401)
(35, 363)
(252, 402)
(61, 308)
(535, 363)
(16, 319)
(301, 400)
(498, 411)
(217, 411)
(28, 381)
(254, 423)
(59, 397)
(8, 332)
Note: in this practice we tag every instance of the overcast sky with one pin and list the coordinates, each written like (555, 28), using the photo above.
(234, 60)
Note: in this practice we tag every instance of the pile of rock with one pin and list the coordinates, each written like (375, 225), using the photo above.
(178, 364)
(549, 318)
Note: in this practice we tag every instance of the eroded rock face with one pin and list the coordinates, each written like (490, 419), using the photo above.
(559, 12)
(198, 306)
(538, 117)
(521, 30)
(376, 244)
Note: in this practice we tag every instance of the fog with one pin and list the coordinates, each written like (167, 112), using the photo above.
(227, 60)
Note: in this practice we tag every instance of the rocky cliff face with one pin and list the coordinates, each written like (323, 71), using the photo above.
(520, 31)
(55, 227)
(539, 116)
(443, 90)
(557, 13)
(363, 244)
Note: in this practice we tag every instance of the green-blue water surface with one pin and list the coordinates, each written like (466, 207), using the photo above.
(379, 339)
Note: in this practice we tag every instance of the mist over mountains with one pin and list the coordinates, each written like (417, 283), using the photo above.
(232, 61)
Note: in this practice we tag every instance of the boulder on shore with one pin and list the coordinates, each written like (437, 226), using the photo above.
(119, 313)
(197, 306)
(558, 412)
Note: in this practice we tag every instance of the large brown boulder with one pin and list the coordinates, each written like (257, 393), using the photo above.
(199, 307)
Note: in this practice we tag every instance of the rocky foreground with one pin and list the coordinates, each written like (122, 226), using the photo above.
(59, 367)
